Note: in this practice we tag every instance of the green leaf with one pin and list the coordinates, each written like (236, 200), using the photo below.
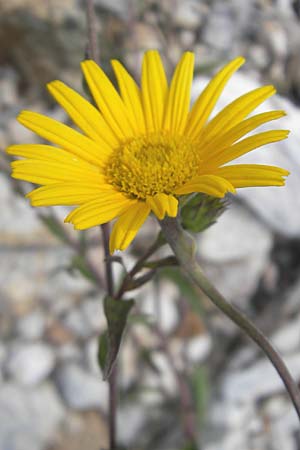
(102, 349)
(116, 312)
(201, 391)
(201, 211)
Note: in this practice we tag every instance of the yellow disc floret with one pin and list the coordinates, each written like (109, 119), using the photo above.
(151, 164)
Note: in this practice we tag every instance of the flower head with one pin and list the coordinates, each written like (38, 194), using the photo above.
(142, 148)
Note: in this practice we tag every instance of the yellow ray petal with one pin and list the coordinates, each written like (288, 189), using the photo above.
(154, 90)
(64, 136)
(224, 140)
(245, 175)
(105, 197)
(131, 96)
(49, 172)
(178, 101)
(245, 146)
(108, 100)
(66, 193)
(108, 205)
(83, 113)
(208, 98)
(162, 204)
(236, 111)
(49, 153)
(208, 184)
(127, 226)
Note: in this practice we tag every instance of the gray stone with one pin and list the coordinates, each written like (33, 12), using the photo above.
(8, 88)
(129, 363)
(243, 358)
(237, 247)
(162, 308)
(257, 381)
(63, 303)
(230, 441)
(29, 418)
(3, 139)
(187, 14)
(285, 8)
(19, 221)
(278, 207)
(80, 389)
(275, 37)
(236, 226)
(68, 352)
(3, 353)
(260, 56)
(146, 36)
(28, 277)
(92, 311)
(62, 294)
(31, 326)
(187, 38)
(166, 378)
(237, 414)
(30, 364)
(130, 422)
(287, 338)
(219, 31)
(238, 428)
(119, 7)
(77, 323)
(244, 17)
(17, 133)
(198, 348)
(283, 421)
(91, 357)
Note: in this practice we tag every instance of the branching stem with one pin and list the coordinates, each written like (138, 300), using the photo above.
(183, 247)
(139, 265)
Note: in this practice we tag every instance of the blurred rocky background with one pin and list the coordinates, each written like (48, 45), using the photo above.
(51, 393)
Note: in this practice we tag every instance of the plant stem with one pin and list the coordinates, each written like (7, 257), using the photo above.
(138, 266)
(112, 381)
(93, 53)
(93, 48)
(107, 260)
(183, 247)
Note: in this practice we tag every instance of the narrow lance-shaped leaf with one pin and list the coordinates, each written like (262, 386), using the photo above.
(102, 350)
(116, 312)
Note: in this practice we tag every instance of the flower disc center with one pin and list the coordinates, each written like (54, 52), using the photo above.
(151, 164)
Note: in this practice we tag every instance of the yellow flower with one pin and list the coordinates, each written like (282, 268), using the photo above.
(143, 148)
